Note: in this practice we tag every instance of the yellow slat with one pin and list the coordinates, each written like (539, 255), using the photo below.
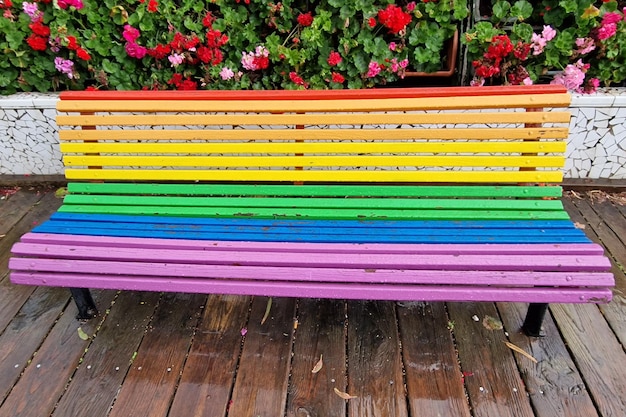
(313, 119)
(489, 176)
(430, 103)
(316, 161)
(317, 134)
(315, 147)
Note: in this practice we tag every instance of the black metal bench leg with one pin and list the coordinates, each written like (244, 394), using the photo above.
(86, 306)
(534, 319)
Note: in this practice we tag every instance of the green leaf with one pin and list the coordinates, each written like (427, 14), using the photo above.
(82, 335)
(501, 10)
(110, 67)
(521, 10)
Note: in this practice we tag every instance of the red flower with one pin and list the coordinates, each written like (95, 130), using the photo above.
(5, 4)
(159, 51)
(334, 59)
(261, 62)
(72, 45)
(394, 18)
(371, 22)
(91, 88)
(338, 78)
(40, 29)
(208, 20)
(82, 54)
(521, 51)
(296, 79)
(215, 39)
(153, 6)
(305, 19)
(37, 42)
(188, 84)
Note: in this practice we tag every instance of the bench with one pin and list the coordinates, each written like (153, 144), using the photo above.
(433, 194)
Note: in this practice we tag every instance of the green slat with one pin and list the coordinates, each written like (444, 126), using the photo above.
(301, 213)
(306, 203)
(317, 190)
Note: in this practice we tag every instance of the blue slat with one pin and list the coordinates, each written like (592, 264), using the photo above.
(317, 231)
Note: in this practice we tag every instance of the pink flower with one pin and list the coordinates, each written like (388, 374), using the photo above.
(373, 69)
(392, 46)
(176, 59)
(404, 63)
(527, 81)
(607, 31)
(548, 33)
(477, 82)
(585, 45)
(130, 33)
(411, 6)
(226, 74)
(572, 77)
(135, 51)
(612, 17)
(32, 10)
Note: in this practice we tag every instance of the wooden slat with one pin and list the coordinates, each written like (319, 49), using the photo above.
(290, 95)
(160, 357)
(206, 382)
(434, 381)
(318, 134)
(322, 213)
(554, 384)
(319, 105)
(316, 161)
(263, 374)
(313, 119)
(322, 290)
(320, 335)
(373, 350)
(500, 393)
(315, 147)
(109, 358)
(306, 203)
(335, 190)
(317, 176)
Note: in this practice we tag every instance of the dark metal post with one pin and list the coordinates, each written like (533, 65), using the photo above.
(86, 306)
(534, 319)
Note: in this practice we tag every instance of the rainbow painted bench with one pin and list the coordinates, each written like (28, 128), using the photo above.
(437, 194)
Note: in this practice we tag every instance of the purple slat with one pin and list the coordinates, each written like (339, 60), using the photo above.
(540, 249)
(388, 276)
(318, 290)
(364, 260)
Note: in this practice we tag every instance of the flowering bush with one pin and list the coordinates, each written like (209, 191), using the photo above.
(583, 41)
(225, 44)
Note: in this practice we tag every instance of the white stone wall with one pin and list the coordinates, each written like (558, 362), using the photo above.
(28, 135)
(596, 147)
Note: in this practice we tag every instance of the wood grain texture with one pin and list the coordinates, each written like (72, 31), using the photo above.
(26, 331)
(321, 334)
(434, 380)
(375, 365)
(554, 385)
(110, 356)
(206, 383)
(495, 387)
(46, 377)
(604, 231)
(599, 355)
(263, 375)
(150, 383)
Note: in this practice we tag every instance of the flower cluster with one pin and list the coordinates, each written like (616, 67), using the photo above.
(235, 44)
(590, 48)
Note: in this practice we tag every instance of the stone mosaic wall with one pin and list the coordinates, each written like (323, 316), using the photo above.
(596, 148)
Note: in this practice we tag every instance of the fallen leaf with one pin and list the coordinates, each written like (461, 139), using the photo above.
(82, 334)
(579, 225)
(492, 323)
(61, 192)
(267, 310)
(521, 351)
(318, 365)
(344, 395)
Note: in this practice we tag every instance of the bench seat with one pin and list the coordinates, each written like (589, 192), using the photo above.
(351, 195)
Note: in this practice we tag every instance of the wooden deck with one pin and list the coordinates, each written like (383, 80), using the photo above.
(151, 354)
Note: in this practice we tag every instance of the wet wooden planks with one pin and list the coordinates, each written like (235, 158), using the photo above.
(194, 355)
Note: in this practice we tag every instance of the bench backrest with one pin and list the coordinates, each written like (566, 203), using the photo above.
(426, 135)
